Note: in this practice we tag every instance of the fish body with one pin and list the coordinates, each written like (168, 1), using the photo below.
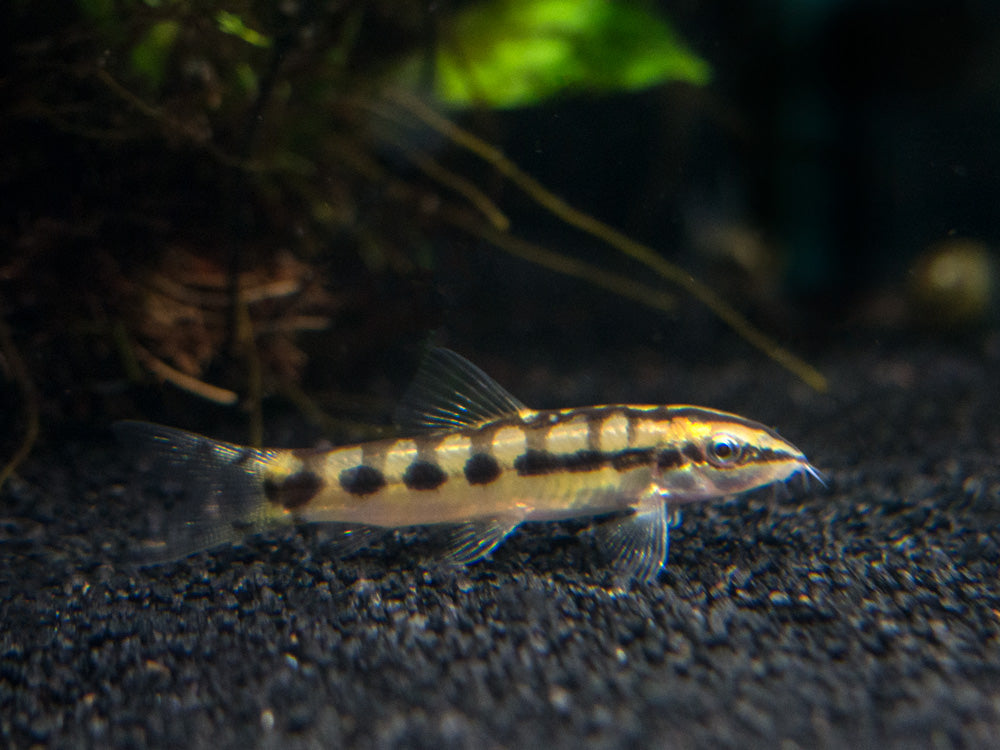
(480, 463)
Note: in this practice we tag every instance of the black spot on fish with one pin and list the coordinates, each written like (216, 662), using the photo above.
(632, 458)
(293, 491)
(481, 468)
(271, 490)
(362, 480)
(423, 475)
(299, 489)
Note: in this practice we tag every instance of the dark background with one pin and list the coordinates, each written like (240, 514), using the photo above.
(838, 152)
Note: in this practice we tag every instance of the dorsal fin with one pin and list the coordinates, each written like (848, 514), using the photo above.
(449, 392)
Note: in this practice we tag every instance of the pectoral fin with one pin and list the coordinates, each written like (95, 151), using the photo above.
(637, 544)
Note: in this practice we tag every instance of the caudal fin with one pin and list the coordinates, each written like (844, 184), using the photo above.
(204, 492)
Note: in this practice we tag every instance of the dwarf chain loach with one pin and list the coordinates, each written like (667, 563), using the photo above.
(478, 463)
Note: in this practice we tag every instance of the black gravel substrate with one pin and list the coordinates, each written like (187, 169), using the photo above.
(864, 614)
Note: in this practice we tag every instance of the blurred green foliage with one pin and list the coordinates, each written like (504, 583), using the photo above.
(231, 23)
(217, 134)
(515, 53)
(496, 54)
(168, 42)
(150, 54)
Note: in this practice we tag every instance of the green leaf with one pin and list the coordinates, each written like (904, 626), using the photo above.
(149, 56)
(230, 23)
(514, 53)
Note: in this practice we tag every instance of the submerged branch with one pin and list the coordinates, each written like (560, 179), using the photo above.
(329, 424)
(568, 266)
(19, 373)
(460, 185)
(246, 345)
(207, 391)
(596, 228)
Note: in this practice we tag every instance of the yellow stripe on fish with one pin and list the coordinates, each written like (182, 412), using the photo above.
(477, 460)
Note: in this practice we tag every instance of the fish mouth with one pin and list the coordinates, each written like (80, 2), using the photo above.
(790, 486)
(806, 471)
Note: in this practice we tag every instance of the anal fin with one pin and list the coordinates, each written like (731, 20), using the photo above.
(474, 540)
(637, 544)
(345, 540)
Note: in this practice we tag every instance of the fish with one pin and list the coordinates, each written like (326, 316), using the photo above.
(476, 463)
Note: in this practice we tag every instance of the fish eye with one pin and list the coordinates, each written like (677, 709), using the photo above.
(724, 450)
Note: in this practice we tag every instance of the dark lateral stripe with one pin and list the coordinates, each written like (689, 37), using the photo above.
(293, 491)
(583, 460)
(482, 468)
(693, 452)
(536, 463)
(631, 458)
(540, 462)
(669, 458)
(361, 480)
(766, 455)
(423, 475)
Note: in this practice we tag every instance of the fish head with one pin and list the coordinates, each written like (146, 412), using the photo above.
(714, 454)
